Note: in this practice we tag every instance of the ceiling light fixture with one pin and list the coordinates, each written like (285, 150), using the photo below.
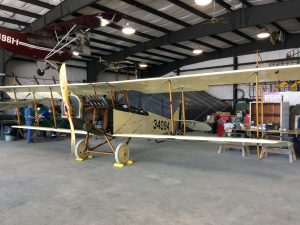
(143, 65)
(128, 29)
(197, 51)
(203, 2)
(263, 34)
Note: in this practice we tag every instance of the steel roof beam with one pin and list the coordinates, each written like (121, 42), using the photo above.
(115, 26)
(164, 16)
(291, 41)
(273, 23)
(19, 11)
(39, 3)
(235, 20)
(144, 23)
(208, 17)
(224, 4)
(98, 32)
(63, 9)
(13, 21)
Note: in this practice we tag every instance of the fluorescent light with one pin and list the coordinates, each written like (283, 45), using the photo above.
(128, 29)
(143, 65)
(2, 74)
(203, 2)
(263, 34)
(197, 51)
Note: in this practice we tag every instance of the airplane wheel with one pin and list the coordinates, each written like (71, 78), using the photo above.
(80, 151)
(40, 72)
(122, 153)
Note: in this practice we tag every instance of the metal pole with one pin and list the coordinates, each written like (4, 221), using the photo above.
(257, 113)
(127, 100)
(256, 104)
(111, 96)
(95, 109)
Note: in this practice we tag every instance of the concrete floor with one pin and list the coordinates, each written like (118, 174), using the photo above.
(170, 183)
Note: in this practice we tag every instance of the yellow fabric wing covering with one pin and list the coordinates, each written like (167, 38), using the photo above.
(195, 82)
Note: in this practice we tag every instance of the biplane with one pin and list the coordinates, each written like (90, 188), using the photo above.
(127, 122)
(51, 44)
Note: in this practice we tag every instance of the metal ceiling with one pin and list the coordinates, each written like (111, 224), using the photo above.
(166, 30)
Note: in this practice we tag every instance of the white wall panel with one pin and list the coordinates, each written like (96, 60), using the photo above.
(25, 71)
(108, 76)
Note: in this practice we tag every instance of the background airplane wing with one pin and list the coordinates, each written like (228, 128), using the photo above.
(26, 91)
(12, 105)
(82, 23)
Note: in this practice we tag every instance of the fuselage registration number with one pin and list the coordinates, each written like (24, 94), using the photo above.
(160, 124)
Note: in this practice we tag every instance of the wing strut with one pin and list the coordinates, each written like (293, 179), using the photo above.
(53, 108)
(171, 107)
(17, 109)
(95, 109)
(54, 51)
(183, 111)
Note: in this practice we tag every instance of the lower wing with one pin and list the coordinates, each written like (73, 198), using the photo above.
(203, 138)
(60, 130)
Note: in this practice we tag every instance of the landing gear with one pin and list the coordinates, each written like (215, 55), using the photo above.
(80, 150)
(122, 153)
(40, 72)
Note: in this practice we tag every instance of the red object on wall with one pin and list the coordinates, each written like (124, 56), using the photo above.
(221, 120)
(220, 130)
(247, 119)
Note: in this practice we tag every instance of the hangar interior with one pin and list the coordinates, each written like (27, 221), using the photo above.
(242, 169)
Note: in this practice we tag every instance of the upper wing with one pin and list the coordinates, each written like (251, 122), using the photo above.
(203, 138)
(82, 22)
(196, 82)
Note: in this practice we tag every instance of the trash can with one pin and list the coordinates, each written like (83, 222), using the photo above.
(9, 133)
(297, 146)
(9, 137)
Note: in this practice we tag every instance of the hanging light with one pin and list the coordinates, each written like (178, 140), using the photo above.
(128, 29)
(263, 34)
(197, 51)
(203, 2)
(143, 65)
